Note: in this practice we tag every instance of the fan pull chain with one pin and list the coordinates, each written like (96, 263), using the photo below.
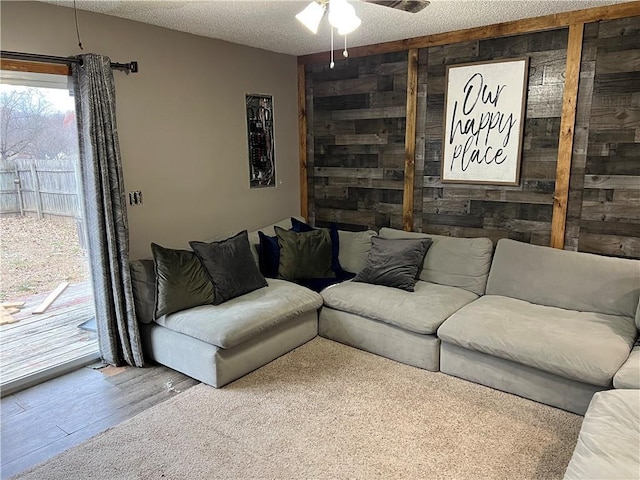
(345, 54)
(332, 64)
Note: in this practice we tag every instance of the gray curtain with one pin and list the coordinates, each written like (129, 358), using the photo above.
(105, 211)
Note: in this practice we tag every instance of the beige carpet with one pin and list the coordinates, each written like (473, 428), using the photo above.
(330, 411)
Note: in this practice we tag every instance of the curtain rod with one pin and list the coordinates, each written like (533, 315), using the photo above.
(131, 67)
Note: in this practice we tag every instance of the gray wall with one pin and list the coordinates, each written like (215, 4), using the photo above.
(181, 120)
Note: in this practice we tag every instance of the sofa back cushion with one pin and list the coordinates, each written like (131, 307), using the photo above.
(354, 249)
(565, 279)
(143, 284)
(452, 261)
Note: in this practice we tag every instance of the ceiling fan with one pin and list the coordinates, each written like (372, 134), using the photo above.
(342, 16)
(412, 6)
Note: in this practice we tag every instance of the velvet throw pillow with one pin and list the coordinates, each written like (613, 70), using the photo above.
(394, 262)
(298, 226)
(230, 266)
(269, 255)
(181, 282)
(304, 254)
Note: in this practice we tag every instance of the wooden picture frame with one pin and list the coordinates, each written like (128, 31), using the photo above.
(484, 122)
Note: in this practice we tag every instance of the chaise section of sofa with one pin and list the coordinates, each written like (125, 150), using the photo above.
(609, 441)
(554, 326)
(401, 325)
(217, 344)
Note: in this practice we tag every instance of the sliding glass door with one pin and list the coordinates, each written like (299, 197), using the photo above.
(47, 322)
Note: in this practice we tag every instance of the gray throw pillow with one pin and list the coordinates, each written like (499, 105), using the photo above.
(230, 266)
(181, 282)
(394, 262)
(304, 255)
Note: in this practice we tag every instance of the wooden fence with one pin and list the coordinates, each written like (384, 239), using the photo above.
(44, 188)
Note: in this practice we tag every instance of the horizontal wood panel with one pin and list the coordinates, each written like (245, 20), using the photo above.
(625, 182)
(615, 245)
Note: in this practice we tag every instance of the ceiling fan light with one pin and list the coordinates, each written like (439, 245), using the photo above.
(310, 17)
(349, 24)
(343, 16)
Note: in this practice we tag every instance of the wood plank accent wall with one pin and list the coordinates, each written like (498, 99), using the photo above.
(357, 115)
(356, 162)
(608, 198)
(524, 212)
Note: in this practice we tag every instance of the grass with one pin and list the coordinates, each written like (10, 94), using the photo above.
(36, 255)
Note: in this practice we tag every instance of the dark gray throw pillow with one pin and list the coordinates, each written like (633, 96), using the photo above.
(230, 266)
(181, 282)
(394, 262)
(304, 255)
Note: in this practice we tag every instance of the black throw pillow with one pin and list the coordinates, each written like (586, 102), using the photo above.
(394, 262)
(230, 266)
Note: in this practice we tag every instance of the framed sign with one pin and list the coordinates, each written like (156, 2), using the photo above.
(484, 122)
(262, 159)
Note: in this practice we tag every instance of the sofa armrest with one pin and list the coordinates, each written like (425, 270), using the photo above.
(629, 374)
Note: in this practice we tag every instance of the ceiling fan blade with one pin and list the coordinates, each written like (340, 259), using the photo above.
(413, 6)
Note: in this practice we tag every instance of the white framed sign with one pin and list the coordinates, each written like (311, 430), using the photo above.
(484, 122)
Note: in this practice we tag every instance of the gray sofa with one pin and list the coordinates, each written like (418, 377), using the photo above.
(609, 442)
(402, 325)
(217, 344)
(554, 326)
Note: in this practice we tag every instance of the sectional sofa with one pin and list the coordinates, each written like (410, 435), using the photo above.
(554, 326)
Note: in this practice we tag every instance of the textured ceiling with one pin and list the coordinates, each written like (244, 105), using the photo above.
(271, 24)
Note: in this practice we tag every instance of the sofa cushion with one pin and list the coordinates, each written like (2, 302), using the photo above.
(354, 249)
(304, 254)
(181, 281)
(421, 311)
(143, 284)
(230, 266)
(244, 317)
(583, 346)
(565, 279)
(394, 262)
(629, 374)
(609, 439)
(457, 262)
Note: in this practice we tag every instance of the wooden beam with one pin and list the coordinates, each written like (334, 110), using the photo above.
(302, 141)
(410, 140)
(567, 127)
(35, 67)
(528, 25)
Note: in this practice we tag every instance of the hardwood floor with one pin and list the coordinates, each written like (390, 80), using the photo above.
(47, 419)
(39, 342)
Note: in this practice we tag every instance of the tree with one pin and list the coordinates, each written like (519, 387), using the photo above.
(25, 117)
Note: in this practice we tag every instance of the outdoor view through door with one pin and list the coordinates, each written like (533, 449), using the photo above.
(47, 321)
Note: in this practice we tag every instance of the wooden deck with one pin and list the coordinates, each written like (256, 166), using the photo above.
(39, 342)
